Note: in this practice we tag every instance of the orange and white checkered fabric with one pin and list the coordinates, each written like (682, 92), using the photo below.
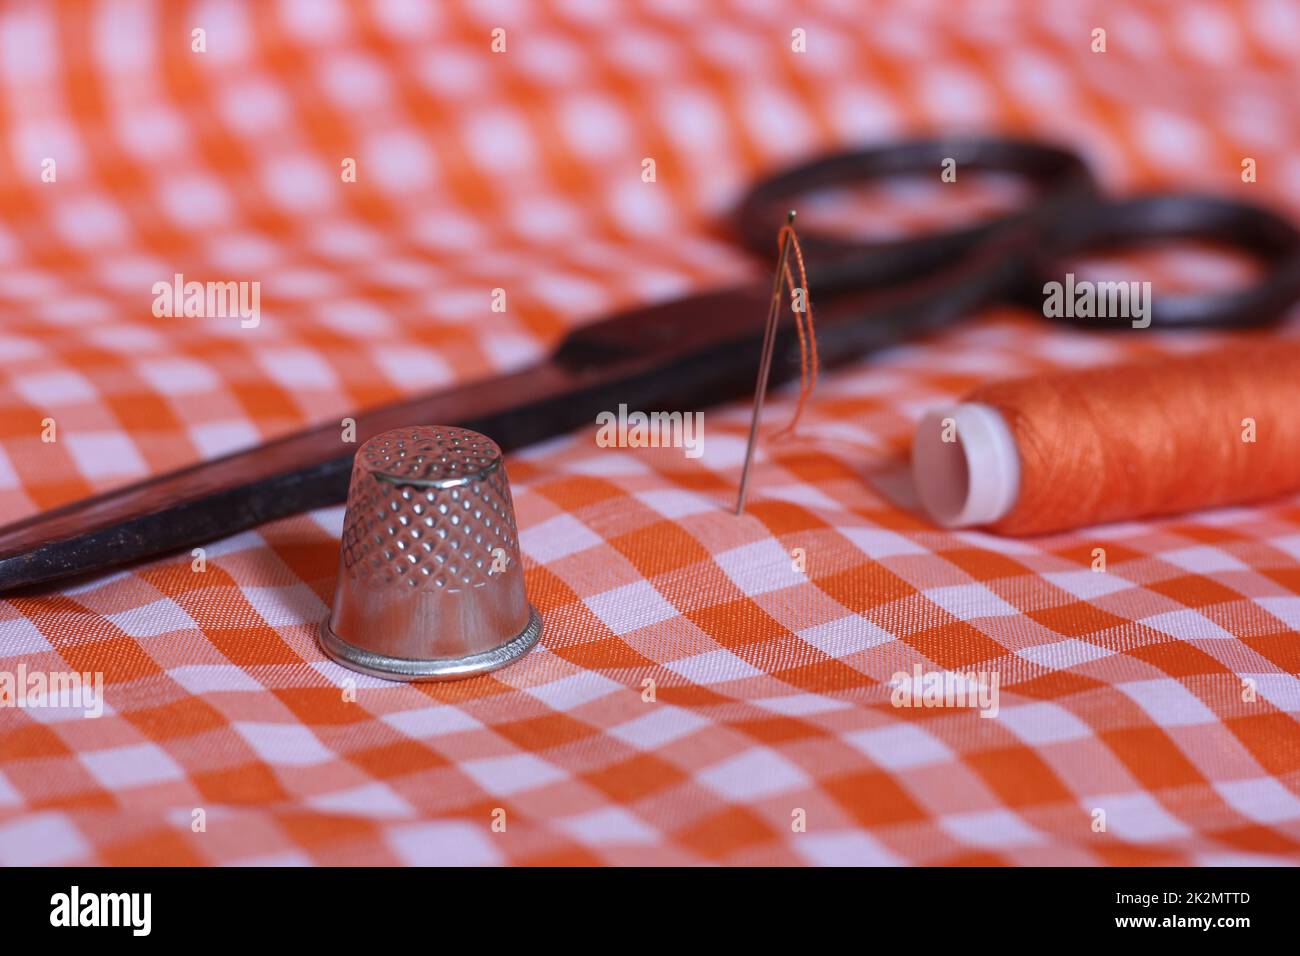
(1162, 692)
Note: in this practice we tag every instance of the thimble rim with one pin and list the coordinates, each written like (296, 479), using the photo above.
(439, 484)
(436, 669)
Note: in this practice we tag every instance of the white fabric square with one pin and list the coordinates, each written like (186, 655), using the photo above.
(506, 776)
(1187, 625)
(759, 567)
(161, 617)
(374, 801)
(285, 858)
(994, 542)
(91, 221)
(673, 503)
(285, 606)
(213, 678)
(991, 828)
(28, 285)
(610, 462)
(243, 541)
(595, 126)
(356, 82)
(444, 844)
(431, 721)
(569, 693)
(1281, 690)
(713, 667)
(842, 848)
(230, 34)
(557, 538)
(1214, 860)
(215, 439)
(304, 283)
(195, 201)
(661, 726)
(1290, 544)
(138, 765)
(569, 293)
(1169, 703)
(244, 252)
(846, 635)
(1285, 609)
(1043, 723)
(1263, 800)
(1135, 817)
(253, 107)
(877, 543)
(104, 454)
(8, 477)
(54, 388)
(131, 274)
(631, 607)
(499, 140)
(176, 375)
(9, 797)
(123, 339)
(20, 637)
(299, 183)
(1203, 559)
(609, 826)
(330, 520)
(355, 318)
(969, 602)
(795, 705)
(398, 161)
(346, 242)
(1087, 585)
(642, 210)
(753, 775)
(509, 352)
(901, 746)
(800, 494)
(452, 71)
(284, 745)
(75, 310)
(412, 367)
(541, 220)
(1061, 655)
(40, 840)
(404, 20)
(552, 59)
(297, 368)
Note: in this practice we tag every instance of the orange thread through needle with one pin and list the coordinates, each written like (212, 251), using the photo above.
(803, 323)
(784, 278)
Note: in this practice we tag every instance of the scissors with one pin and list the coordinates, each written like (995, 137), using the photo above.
(704, 348)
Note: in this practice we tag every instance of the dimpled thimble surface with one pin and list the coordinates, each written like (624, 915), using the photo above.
(430, 583)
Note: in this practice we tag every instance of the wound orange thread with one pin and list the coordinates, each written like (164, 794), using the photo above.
(803, 323)
(1153, 437)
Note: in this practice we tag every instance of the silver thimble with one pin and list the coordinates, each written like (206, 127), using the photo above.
(430, 582)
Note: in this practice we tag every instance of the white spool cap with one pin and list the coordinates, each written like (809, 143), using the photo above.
(973, 479)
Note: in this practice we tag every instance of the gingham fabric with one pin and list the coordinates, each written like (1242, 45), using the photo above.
(695, 698)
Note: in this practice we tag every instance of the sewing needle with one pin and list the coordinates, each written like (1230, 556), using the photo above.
(765, 363)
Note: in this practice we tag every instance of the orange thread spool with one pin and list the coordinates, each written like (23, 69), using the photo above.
(1154, 437)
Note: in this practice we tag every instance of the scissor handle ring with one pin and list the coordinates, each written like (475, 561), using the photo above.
(1056, 173)
(1268, 237)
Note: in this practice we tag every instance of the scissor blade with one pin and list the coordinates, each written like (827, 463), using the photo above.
(626, 358)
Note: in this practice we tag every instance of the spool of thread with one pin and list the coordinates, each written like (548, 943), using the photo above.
(1159, 436)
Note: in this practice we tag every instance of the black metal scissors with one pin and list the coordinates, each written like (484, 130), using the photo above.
(705, 348)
